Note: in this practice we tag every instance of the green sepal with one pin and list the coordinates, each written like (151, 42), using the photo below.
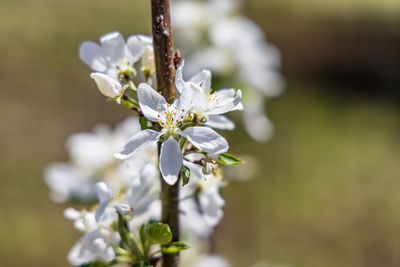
(228, 159)
(186, 125)
(143, 240)
(129, 102)
(127, 237)
(158, 233)
(143, 122)
(132, 87)
(174, 247)
(123, 256)
(123, 259)
(185, 173)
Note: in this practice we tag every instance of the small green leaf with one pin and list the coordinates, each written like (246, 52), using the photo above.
(158, 233)
(174, 247)
(143, 122)
(185, 171)
(228, 159)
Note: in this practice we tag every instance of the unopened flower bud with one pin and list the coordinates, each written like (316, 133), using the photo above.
(107, 86)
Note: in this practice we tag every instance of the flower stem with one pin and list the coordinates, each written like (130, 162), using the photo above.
(165, 72)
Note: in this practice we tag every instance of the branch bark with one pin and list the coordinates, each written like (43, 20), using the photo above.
(165, 72)
(163, 48)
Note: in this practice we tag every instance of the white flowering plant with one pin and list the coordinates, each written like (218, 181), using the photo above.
(155, 177)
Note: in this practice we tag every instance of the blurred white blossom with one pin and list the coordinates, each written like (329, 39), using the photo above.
(213, 35)
(91, 160)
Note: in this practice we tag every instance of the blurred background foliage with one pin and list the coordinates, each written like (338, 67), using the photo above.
(326, 191)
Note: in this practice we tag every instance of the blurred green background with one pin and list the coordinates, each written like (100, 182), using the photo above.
(327, 189)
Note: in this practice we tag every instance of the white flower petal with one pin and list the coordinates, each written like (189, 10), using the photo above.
(78, 256)
(93, 55)
(226, 93)
(226, 104)
(68, 182)
(198, 97)
(179, 82)
(123, 209)
(149, 101)
(71, 214)
(203, 79)
(107, 86)
(257, 125)
(220, 122)
(170, 160)
(136, 45)
(103, 192)
(104, 196)
(206, 139)
(239, 107)
(113, 45)
(138, 141)
(195, 169)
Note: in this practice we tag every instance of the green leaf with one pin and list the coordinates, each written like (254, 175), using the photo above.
(228, 159)
(158, 233)
(174, 247)
(127, 237)
(143, 123)
(185, 173)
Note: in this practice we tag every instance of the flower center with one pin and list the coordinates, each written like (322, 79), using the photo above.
(170, 119)
(212, 97)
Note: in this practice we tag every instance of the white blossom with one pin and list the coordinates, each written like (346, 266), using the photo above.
(114, 59)
(208, 105)
(98, 239)
(202, 205)
(170, 118)
(113, 55)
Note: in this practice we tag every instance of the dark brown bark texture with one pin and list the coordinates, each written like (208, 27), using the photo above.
(165, 72)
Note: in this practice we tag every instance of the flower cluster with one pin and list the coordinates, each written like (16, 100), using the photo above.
(115, 62)
(214, 35)
(122, 168)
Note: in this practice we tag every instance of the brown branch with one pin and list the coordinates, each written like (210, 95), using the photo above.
(163, 48)
(170, 215)
(165, 72)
